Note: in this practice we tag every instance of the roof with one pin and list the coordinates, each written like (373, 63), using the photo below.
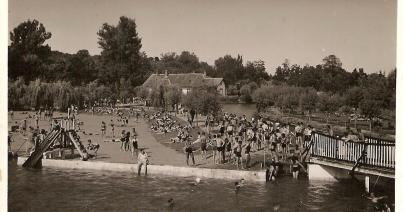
(189, 80)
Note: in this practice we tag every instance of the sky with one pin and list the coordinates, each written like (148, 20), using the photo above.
(362, 33)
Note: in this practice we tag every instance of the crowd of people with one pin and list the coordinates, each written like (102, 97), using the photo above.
(162, 123)
(232, 139)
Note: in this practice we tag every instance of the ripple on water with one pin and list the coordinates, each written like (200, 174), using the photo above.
(62, 189)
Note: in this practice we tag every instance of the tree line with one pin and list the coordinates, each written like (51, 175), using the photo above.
(122, 67)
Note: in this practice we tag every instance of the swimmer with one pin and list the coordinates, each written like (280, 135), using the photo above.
(170, 202)
(197, 182)
(276, 207)
(237, 187)
(242, 182)
(380, 204)
(239, 184)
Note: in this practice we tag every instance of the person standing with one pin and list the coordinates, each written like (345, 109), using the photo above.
(329, 130)
(135, 146)
(126, 141)
(192, 116)
(207, 124)
(203, 145)
(113, 129)
(37, 121)
(189, 151)
(103, 128)
(220, 148)
(9, 143)
(238, 154)
(247, 154)
(142, 160)
(122, 140)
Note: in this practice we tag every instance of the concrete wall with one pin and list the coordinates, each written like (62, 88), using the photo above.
(259, 176)
(326, 173)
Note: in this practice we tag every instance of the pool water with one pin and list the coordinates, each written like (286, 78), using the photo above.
(50, 189)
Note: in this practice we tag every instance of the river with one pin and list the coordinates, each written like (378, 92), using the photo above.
(240, 109)
(51, 189)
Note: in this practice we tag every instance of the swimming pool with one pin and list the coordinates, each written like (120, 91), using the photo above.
(52, 189)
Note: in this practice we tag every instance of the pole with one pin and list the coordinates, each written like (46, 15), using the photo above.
(367, 184)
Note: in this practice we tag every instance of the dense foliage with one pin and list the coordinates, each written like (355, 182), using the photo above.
(39, 77)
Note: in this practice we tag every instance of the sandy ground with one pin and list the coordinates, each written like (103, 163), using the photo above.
(158, 147)
(109, 151)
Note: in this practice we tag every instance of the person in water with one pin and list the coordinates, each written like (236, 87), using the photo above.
(170, 202)
(272, 171)
(142, 160)
(196, 182)
(295, 167)
(238, 185)
(379, 202)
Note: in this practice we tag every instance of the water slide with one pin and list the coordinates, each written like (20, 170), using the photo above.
(80, 148)
(32, 161)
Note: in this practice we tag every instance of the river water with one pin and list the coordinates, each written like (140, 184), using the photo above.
(240, 109)
(51, 189)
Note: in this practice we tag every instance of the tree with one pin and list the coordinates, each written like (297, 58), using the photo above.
(173, 97)
(231, 69)
(246, 92)
(27, 51)
(80, 68)
(370, 108)
(255, 71)
(308, 99)
(120, 52)
(202, 101)
(354, 96)
(332, 62)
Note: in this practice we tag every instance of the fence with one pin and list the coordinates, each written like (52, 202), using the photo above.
(379, 153)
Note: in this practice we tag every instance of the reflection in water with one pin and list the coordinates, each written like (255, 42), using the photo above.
(53, 189)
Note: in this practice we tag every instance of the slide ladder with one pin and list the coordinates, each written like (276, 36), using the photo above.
(32, 161)
(80, 148)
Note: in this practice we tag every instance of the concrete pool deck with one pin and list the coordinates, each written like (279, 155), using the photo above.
(257, 176)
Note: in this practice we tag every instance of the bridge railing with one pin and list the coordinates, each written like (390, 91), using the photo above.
(379, 153)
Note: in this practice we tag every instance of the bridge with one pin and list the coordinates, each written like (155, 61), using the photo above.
(332, 158)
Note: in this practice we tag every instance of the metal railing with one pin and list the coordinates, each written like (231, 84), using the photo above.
(379, 153)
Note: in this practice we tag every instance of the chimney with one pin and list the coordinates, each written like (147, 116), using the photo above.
(166, 73)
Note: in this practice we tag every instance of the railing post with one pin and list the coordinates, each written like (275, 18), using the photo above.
(337, 149)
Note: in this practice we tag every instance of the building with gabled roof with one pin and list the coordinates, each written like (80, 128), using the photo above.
(186, 82)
